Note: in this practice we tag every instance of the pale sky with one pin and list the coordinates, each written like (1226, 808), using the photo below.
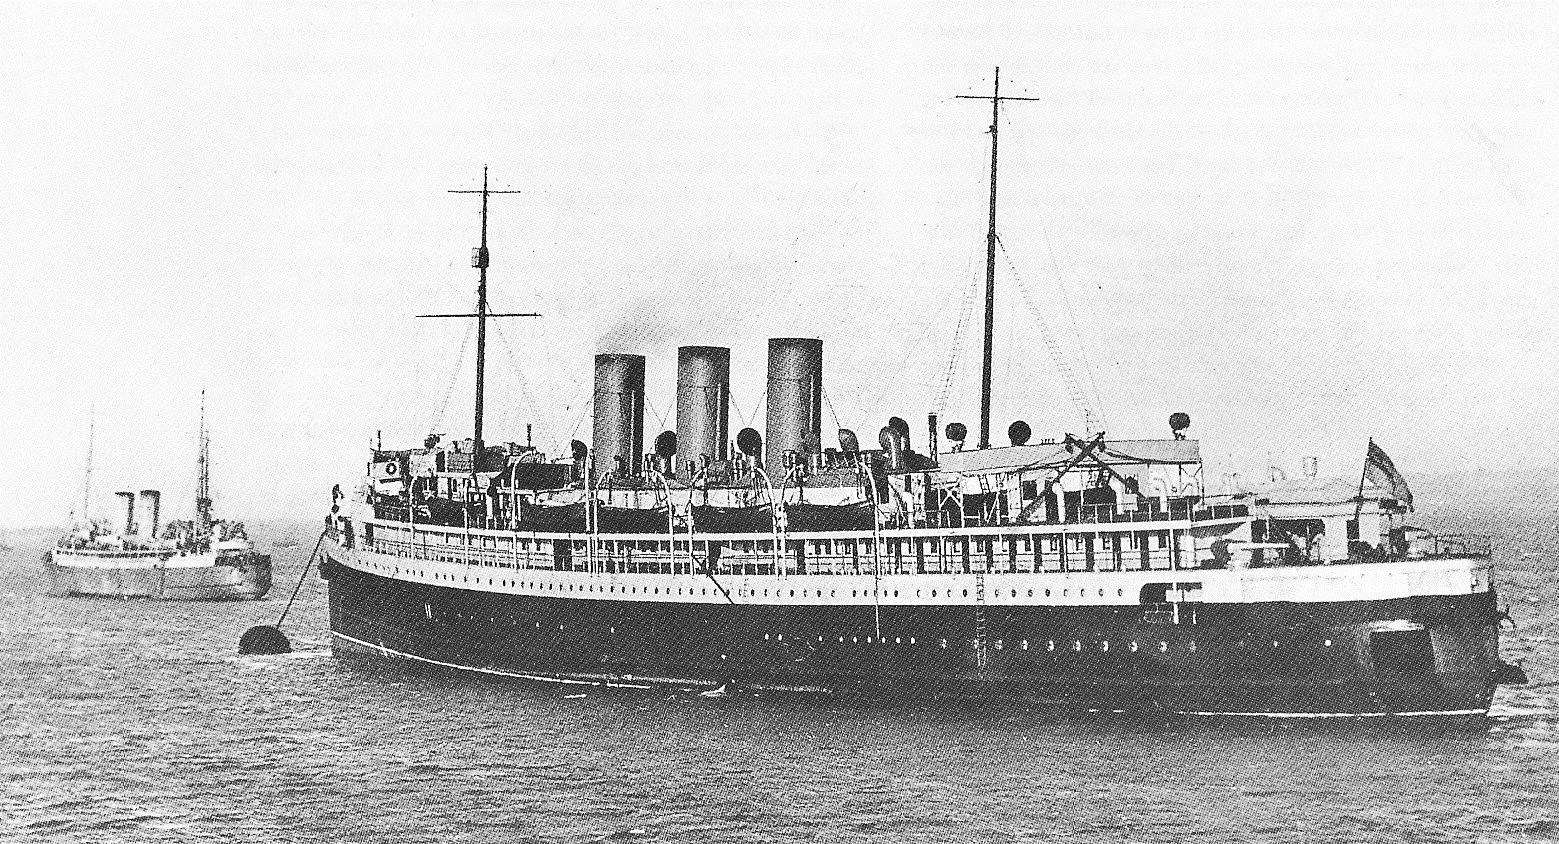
(1304, 224)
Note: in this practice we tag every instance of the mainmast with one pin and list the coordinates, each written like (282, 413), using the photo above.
(203, 472)
(990, 263)
(479, 260)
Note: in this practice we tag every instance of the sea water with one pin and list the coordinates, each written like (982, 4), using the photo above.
(138, 721)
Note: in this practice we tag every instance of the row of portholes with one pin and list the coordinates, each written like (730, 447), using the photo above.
(1050, 645)
(1077, 645)
(855, 640)
(854, 593)
(634, 590)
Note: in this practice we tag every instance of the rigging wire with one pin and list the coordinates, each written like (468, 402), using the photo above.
(659, 417)
(454, 378)
(1073, 389)
(959, 332)
(584, 410)
(526, 396)
(758, 404)
(831, 412)
(1066, 301)
(733, 404)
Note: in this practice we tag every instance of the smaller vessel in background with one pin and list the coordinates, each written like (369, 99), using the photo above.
(199, 559)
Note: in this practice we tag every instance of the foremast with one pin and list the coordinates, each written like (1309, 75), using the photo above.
(480, 260)
(203, 471)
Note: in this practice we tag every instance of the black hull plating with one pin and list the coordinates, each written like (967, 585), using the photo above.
(1300, 660)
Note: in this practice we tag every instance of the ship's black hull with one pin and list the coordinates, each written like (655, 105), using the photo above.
(1105, 659)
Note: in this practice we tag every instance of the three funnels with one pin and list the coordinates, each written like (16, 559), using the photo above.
(703, 397)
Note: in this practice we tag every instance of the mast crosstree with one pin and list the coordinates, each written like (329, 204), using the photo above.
(479, 259)
(990, 259)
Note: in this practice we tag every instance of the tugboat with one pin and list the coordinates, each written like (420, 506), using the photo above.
(199, 559)
(1083, 572)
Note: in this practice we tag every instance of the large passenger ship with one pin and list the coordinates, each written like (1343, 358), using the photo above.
(1080, 572)
(199, 559)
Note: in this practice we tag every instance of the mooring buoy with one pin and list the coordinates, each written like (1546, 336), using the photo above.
(264, 639)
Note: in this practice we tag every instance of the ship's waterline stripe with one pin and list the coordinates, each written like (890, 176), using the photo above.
(562, 680)
(1427, 713)
(492, 671)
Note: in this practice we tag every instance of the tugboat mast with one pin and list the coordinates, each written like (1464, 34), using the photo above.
(479, 259)
(990, 262)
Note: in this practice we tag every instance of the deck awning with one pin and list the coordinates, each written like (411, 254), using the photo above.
(1016, 458)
